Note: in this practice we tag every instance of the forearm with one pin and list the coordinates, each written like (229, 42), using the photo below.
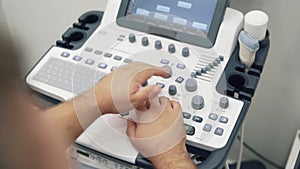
(178, 159)
(71, 118)
(65, 121)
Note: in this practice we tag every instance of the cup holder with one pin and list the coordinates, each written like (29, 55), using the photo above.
(73, 35)
(237, 81)
(91, 19)
(76, 36)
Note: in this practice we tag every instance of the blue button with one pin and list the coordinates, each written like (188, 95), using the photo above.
(108, 55)
(197, 119)
(180, 66)
(113, 68)
(160, 84)
(127, 60)
(179, 80)
(118, 58)
(186, 115)
(213, 116)
(102, 65)
(77, 58)
(164, 61)
(89, 61)
(65, 54)
(223, 120)
(219, 131)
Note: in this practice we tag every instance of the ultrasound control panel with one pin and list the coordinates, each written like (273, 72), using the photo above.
(195, 50)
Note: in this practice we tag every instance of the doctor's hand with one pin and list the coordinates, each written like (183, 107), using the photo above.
(159, 135)
(120, 91)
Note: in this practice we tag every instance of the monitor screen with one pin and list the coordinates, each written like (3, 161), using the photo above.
(192, 14)
(192, 21)
(297, 165)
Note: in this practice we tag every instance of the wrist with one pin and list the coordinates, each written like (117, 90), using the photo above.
(178, 157)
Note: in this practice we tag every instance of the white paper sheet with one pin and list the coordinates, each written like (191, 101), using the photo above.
(108, 135)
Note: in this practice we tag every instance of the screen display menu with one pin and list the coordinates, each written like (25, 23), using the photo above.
(185, 15)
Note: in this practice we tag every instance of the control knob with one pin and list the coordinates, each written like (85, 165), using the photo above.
(132, 38)
(197, 102)
(172, 48)
(191, 85)
(186, 52)
(172, 90)
(158, 44)
(224, 103)
(145, 41)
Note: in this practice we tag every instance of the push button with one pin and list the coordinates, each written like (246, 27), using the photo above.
(102, 65)
(89, 61)
(186, 115)
(219, 131)
(160, 85)
(169, 69)
(179, 80)
(164, 61)
(77, 58)
(213, 116)
(197, 119)
(207, 127)
(98, 52)
(118, 57)
(65, 54)
(180, 66)
(224, 120)
(189, 130)
(88, 49)
(108, 55)
(127, 60)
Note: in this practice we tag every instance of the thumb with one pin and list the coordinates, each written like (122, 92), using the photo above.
(131, 129)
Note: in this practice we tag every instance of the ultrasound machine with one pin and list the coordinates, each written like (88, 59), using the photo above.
(197, 40)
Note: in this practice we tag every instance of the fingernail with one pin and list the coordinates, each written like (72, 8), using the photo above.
(155, 91)
(167, 70)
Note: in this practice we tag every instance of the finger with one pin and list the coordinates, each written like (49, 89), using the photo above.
(146, 94)
(131, 129)
(176, 106)
(150, 71)
(165, 101)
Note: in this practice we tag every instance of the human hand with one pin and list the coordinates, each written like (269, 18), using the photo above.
(120, 91)
(161, 140)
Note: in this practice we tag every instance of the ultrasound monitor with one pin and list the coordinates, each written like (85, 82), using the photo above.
(192, 21)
